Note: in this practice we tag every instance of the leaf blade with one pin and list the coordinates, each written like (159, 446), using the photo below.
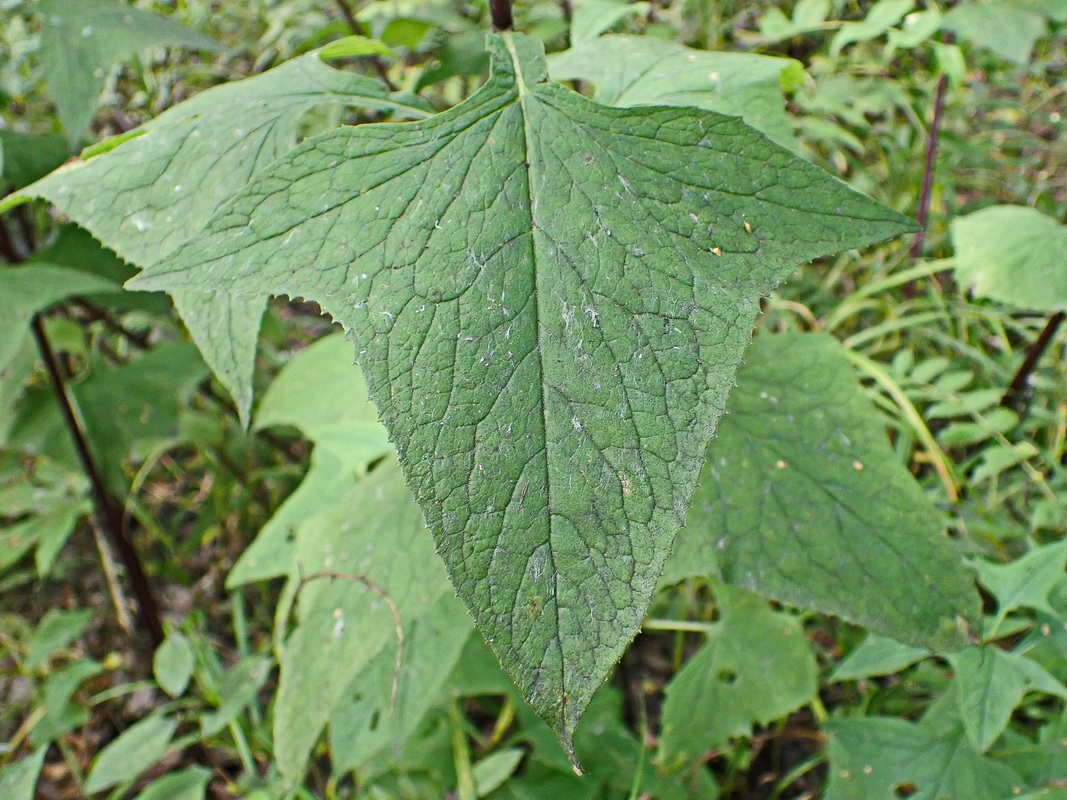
(532, 335)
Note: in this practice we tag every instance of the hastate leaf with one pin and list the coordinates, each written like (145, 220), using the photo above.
(803, 500)
(80, 41)
(549, 299)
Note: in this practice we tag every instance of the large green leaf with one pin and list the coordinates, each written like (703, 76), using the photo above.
(1012, 254)
(549, 299)
(756, 666)
(641, 71)
(146, 196)
(803, 500)
(80, 41)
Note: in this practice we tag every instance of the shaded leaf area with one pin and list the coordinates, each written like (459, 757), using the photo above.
(640, 71)
(322, 394)
(549, 298)
(366, 733)
(153, 191)
(881, 758)
(371, 540)
(755, 667)
(27, 157)
(610, 753)
(1012, 254)
(172, 664)
(81, 41)
(803, 500)
(125, 410)
(186, 784)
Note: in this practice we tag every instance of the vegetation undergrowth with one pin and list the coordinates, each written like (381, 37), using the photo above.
(492, 560)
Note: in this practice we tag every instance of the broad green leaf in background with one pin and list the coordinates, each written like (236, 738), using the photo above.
(549, 298)
(134, 750)
(592, 17)
(992, 683)
(374, 531)
(803, 500)
(881, 758)
(640, 71)
(1012, 254)
(57, 630)
(494, 769)
(186, 784)
(80, 41)
(1026, 582)
(321, 393)
(19, 780)
(152, 192)
(173, 663)
(882, 16)
(756, 666)
(27, 290)
(1006, 27)
(365, 732)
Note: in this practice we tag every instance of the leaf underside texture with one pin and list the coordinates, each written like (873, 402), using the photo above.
(534, 286)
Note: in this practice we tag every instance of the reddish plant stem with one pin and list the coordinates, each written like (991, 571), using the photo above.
(357, 28)
(922, 213)
(1015, 395)
(107, 507)
(500, 11)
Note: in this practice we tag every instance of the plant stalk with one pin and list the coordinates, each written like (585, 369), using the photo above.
(106, 506)
(1016, 394)
(500, 11)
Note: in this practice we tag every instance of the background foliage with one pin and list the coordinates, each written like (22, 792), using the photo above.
(195, 609)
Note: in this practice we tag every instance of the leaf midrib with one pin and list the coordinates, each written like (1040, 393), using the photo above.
(523, 93)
